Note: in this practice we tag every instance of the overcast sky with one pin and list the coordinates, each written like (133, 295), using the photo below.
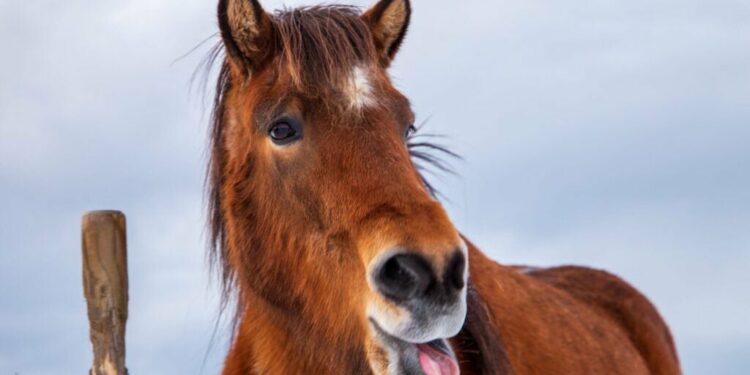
(608, 133)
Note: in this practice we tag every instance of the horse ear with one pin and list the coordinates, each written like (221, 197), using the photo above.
(247, 32)
(388, 21)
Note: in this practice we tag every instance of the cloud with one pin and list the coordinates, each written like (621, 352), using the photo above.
(609, 134)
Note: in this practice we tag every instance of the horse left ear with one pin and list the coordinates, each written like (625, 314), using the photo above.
(247, 32)
(388, 21)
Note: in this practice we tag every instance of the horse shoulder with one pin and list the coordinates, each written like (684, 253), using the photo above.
(622, 303)
(569, 320)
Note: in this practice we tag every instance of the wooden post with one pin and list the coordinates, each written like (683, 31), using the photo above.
(105, 285)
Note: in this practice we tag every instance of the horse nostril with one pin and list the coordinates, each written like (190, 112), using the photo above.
(404, 276)
(455, 272)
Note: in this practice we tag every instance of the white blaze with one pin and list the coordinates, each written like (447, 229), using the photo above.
(359, 88)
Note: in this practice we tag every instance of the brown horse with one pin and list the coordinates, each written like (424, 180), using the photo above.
(341, 259)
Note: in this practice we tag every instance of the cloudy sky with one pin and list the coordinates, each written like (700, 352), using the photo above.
(608, 133)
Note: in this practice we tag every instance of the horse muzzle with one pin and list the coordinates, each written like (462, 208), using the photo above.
(419, 305)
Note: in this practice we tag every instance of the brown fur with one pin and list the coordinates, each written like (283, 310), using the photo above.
(294, 229)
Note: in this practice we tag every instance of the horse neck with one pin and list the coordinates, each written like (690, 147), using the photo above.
(479, 346)
(272, 340)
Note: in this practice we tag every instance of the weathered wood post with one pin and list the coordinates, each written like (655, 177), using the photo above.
(105, 285)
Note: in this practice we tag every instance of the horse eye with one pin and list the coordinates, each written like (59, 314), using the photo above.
(283, 132)
(410, 131)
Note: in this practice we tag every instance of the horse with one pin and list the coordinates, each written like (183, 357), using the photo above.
(335, 249)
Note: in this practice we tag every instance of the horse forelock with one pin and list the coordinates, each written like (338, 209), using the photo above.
(326, 52)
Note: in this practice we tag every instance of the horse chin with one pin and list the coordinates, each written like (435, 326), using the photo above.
(418, 344)
(405, 357)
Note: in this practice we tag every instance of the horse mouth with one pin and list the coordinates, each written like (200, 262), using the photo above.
(436, 358)
(431, 358)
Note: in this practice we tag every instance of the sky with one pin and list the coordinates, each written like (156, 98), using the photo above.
(606, 133)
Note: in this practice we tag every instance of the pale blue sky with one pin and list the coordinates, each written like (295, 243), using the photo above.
(608, 133)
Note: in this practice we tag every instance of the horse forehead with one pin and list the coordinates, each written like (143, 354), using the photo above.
(355, 86)
(358, 88)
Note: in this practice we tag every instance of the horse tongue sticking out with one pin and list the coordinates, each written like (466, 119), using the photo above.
(435, 361)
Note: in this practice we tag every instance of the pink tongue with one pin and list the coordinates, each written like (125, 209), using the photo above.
(435, 362)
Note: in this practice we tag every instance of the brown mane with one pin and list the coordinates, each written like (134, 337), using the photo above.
(479, 344)
(321, 44)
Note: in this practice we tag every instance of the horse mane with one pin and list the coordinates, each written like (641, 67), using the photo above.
(478, 346)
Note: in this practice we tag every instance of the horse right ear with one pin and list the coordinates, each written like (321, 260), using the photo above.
(247, 32)
(388, 21)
